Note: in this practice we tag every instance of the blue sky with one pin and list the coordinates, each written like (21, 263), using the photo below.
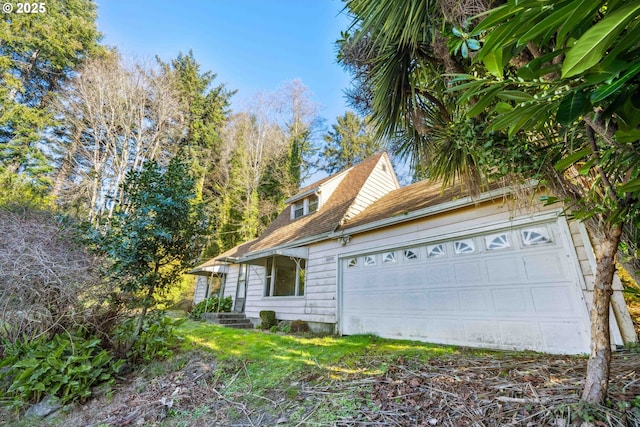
(252, 45)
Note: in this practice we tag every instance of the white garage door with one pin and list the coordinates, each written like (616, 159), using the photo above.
(509, 289)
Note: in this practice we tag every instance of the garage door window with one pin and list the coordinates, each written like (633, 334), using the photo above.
(369, 260)
(535, 236)
(497, 241)
(435, 251)
(464, 247)
(353, 262)
(388, 257)
(410, 254)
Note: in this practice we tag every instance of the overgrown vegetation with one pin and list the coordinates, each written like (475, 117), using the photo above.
(222, 376)
(213, 304)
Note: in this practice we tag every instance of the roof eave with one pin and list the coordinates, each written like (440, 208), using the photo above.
(428, 211)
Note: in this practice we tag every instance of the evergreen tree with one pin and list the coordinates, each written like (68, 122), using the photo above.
(349, 141)
(38, 53)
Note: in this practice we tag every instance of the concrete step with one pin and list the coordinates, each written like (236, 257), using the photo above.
(230, 320)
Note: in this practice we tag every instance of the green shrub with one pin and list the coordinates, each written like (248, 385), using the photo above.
(268, 319)
(157, 338)
(66, 366)
(210, 305)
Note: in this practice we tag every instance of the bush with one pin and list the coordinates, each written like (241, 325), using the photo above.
(210, 305)
(268, 319)
(157, 338)
(57, 283)
(66, 366)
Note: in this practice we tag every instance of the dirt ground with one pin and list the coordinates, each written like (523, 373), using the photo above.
(523, 390)
(500, 390)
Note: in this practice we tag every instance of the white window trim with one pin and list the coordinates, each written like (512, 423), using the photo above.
(305, 206)
(272, 279)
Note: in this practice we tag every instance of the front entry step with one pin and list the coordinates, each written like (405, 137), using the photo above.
(230, 320)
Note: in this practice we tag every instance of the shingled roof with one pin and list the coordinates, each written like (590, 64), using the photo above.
(284, 229)
(411, 198)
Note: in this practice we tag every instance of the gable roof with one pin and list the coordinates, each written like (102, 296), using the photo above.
(327, 218)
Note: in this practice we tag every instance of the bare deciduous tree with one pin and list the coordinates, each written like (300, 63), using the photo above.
(112, 119)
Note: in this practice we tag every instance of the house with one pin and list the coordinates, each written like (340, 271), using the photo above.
(356, 253)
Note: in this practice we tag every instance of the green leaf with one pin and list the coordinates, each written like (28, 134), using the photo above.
(502, 107)
(572, 106)
(607, 90)
(493, 62)
(551, 22)
(590, 48)
(631, 186)
(515, 95)
(456, 32)
(464, 50)
(572, 158)
(483, 102)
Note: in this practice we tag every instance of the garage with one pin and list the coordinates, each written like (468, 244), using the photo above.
(512, 288)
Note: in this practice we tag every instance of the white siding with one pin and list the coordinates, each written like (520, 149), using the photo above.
(381, 181)
(231, 281)
(201, 289)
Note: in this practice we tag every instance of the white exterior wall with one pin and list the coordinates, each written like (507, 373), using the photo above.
(201, 289)
(381, 181)
(231, 281)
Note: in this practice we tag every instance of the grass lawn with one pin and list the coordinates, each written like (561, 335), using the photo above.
(271, 360)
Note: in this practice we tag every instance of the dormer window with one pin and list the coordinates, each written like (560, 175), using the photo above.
(305, 206)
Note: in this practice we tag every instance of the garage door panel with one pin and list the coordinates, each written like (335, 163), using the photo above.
(546, 266)
(480, 331)
(443, 301)
(522, 295)
(438, 273)
(557, 300)
(504, 269)
(562, 334)
(518, 334)
(468, 272)
(510, 300)
(475, 301)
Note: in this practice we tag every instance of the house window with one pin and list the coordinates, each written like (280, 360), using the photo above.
(388, 257)
(353, 262)
(285, 276)
(464, 247)
(369, 260)
(435, 251)
(305, 206)
(535, 236)
(298, 209)
(410, 254)
(313, 203)
(497, 241)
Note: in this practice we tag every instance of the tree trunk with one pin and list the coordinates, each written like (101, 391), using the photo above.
(143, 313)
(597, 379)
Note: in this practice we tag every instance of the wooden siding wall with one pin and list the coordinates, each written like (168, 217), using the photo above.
(330, 186)
(380, 182)
(201, 289)
(231, 281)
